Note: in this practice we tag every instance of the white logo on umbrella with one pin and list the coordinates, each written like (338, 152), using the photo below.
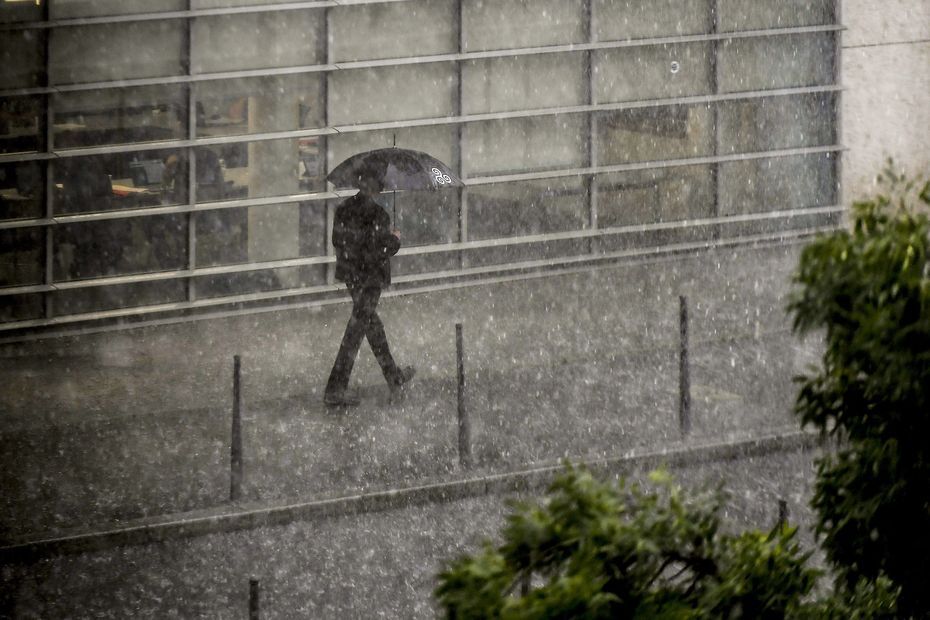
(441, 178)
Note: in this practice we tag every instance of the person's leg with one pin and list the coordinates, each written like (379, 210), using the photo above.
(362, 310)
(377, 339)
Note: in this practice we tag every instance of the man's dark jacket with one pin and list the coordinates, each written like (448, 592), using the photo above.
(364, 243)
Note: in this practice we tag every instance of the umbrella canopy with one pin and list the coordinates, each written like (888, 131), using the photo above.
(398, 169)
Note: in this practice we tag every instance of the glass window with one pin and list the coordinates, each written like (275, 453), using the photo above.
(22, 190)
(224, 285)
(122, 246)
(505, 24)
(118, 181)
(119, 116)
(617, 20)
(527, 208)
(524, 144)
(652, 72)
(391, 93)
(392, 30)
(257, 41)
(22, 256)
(777, 184)
(21, 307)
(755, 15)
(22, 58)
(256, 105)
(20, 11)
(259, 169)
(654, 133)
(20, 124)
(777, 62)
(125, 50)
(523, 83)
(777, 123)
(273, 232)
(98, 298)
(651, 196)
(62, 9)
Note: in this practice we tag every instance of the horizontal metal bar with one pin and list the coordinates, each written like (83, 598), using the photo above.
(670, 163)
(528, 265)
(434, 121)
(473, 181)
(409, 60)
(427, 249)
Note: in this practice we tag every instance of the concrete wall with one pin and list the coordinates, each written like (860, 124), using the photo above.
(886, 104)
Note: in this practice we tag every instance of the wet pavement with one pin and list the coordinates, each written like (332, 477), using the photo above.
(105, 428)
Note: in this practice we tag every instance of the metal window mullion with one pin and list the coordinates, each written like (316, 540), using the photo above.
(715, 90)
(458, 13)
(325, 97)
(591, 181)
(191, 90)
(838, 107)
(49, 179)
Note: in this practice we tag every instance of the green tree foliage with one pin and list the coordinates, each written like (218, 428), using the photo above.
(867, 291)
(598, 550)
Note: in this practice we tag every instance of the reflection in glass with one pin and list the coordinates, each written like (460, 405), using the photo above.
(256, 105)
(504, 24)
(92, 8)
(777, 184)
(777, 123)
(523, 83)
(116, 181)
(99, 298)
(427, 30)
(777, 62)
(20, 11)
(121, 246)
(259, 169)
(655, 133)
(125, 50)
(524, 144)
(21, 307)
(20, 125)
(22, 256)
(21, 58)
(391, 93)
(260, 281)
(118, 116)
(755, 15)
(529, 208)
(257, 41)
(652, 196)
(618, 20)
(649, 73)
(22, 190)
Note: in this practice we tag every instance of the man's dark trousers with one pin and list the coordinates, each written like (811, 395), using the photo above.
(363, 323)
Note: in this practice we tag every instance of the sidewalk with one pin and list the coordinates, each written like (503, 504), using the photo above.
(110, 427)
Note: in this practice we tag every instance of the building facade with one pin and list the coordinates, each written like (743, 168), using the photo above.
(161, 157)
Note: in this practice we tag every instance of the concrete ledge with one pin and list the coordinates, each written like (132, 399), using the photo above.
(244, 516)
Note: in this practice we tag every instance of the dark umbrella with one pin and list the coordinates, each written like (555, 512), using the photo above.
(401, 169)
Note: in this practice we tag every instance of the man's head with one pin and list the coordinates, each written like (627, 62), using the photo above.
(370, 179)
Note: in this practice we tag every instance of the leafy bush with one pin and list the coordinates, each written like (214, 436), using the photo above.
(599, 550)
(868, 291)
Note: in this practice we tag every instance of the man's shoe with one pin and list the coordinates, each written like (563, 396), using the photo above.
(341, 400)
(404, 376)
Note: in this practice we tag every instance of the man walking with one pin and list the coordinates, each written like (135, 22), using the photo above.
(364, 245)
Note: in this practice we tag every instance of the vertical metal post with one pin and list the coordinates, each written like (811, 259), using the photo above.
(590, 99)
(684, 370)
(782, 513)
(464, 426)
(48, 128)
(191, 92)
(254, 600)
(323, 141)
(715, 114)
(235, 450)
(458, 110)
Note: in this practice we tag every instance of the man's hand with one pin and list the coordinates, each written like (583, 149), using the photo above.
(396, 233)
